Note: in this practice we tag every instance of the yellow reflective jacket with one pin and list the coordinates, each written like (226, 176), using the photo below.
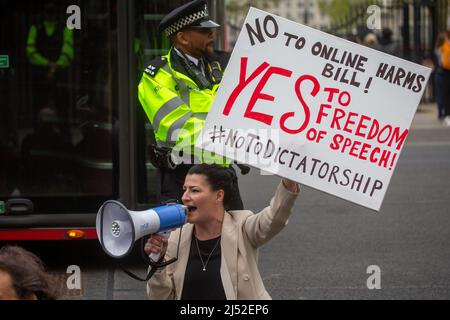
(63, 48)
(176, 108)
(446, 55)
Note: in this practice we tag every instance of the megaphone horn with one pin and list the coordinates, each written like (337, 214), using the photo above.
(118, 228)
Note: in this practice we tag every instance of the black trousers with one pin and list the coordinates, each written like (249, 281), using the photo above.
(172, 182)
(446, 90)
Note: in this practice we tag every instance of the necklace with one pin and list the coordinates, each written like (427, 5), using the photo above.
(209, 256)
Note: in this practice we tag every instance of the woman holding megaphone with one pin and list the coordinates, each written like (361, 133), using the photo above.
(217, 250)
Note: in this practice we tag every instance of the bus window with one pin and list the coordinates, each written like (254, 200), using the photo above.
(58, 104)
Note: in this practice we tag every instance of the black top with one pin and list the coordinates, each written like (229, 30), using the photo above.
(49, 46)
(199, 284)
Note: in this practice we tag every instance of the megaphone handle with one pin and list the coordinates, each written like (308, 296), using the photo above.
(156, 256)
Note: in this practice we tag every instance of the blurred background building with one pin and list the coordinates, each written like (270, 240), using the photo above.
(404, 28)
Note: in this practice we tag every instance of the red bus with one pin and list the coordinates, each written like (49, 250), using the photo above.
(72, 132)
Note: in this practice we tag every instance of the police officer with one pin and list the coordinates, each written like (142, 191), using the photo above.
(177, 90)
(50, 52)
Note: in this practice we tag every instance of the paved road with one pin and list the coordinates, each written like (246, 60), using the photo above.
(329, 243)
(326, 249)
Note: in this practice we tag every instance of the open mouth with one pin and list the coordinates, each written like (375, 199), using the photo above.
(191, 209)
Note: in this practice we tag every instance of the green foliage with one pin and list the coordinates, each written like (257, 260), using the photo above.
(241, 6)
(340, 9)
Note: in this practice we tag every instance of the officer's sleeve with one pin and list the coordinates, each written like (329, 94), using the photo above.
(33, 55)
(172, 120)
(67, 51)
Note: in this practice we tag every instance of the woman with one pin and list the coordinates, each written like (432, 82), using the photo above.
(218, 249)
(23, 276)
(439, 76)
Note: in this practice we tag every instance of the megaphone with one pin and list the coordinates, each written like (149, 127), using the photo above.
(118, 228)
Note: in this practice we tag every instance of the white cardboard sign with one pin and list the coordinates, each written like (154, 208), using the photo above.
(314, 108)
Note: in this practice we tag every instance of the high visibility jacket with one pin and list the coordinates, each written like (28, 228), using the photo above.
(177, 108)
(446, 55)
(47, 43)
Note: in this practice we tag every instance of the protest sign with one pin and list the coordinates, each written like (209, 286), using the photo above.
(314, 108)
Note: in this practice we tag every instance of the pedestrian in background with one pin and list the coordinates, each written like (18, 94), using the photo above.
(50, 52)
(371, 41)
(387, 44)
(445, 48)
(23, 277)
(439, 76)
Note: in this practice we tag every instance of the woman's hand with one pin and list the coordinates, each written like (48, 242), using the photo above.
(290, 185)
(156, 244)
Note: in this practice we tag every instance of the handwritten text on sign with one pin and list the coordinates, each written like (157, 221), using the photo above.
(314, 108)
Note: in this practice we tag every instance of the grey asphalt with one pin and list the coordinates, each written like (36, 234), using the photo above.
(329, 243)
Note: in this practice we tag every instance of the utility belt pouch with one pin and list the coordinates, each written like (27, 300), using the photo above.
(161, 157)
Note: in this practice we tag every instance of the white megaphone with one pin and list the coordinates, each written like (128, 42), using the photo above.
(118, 228)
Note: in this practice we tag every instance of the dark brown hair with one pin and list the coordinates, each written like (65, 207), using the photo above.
(27, 273)
(218, 178)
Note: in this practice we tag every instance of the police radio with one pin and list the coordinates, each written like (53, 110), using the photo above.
(215, 71)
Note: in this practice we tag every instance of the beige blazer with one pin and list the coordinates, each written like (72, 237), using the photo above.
(243, 232)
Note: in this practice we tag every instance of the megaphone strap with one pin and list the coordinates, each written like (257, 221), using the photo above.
(154, 265)
(132, 275)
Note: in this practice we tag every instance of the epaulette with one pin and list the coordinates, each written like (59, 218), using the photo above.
(155, 65)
